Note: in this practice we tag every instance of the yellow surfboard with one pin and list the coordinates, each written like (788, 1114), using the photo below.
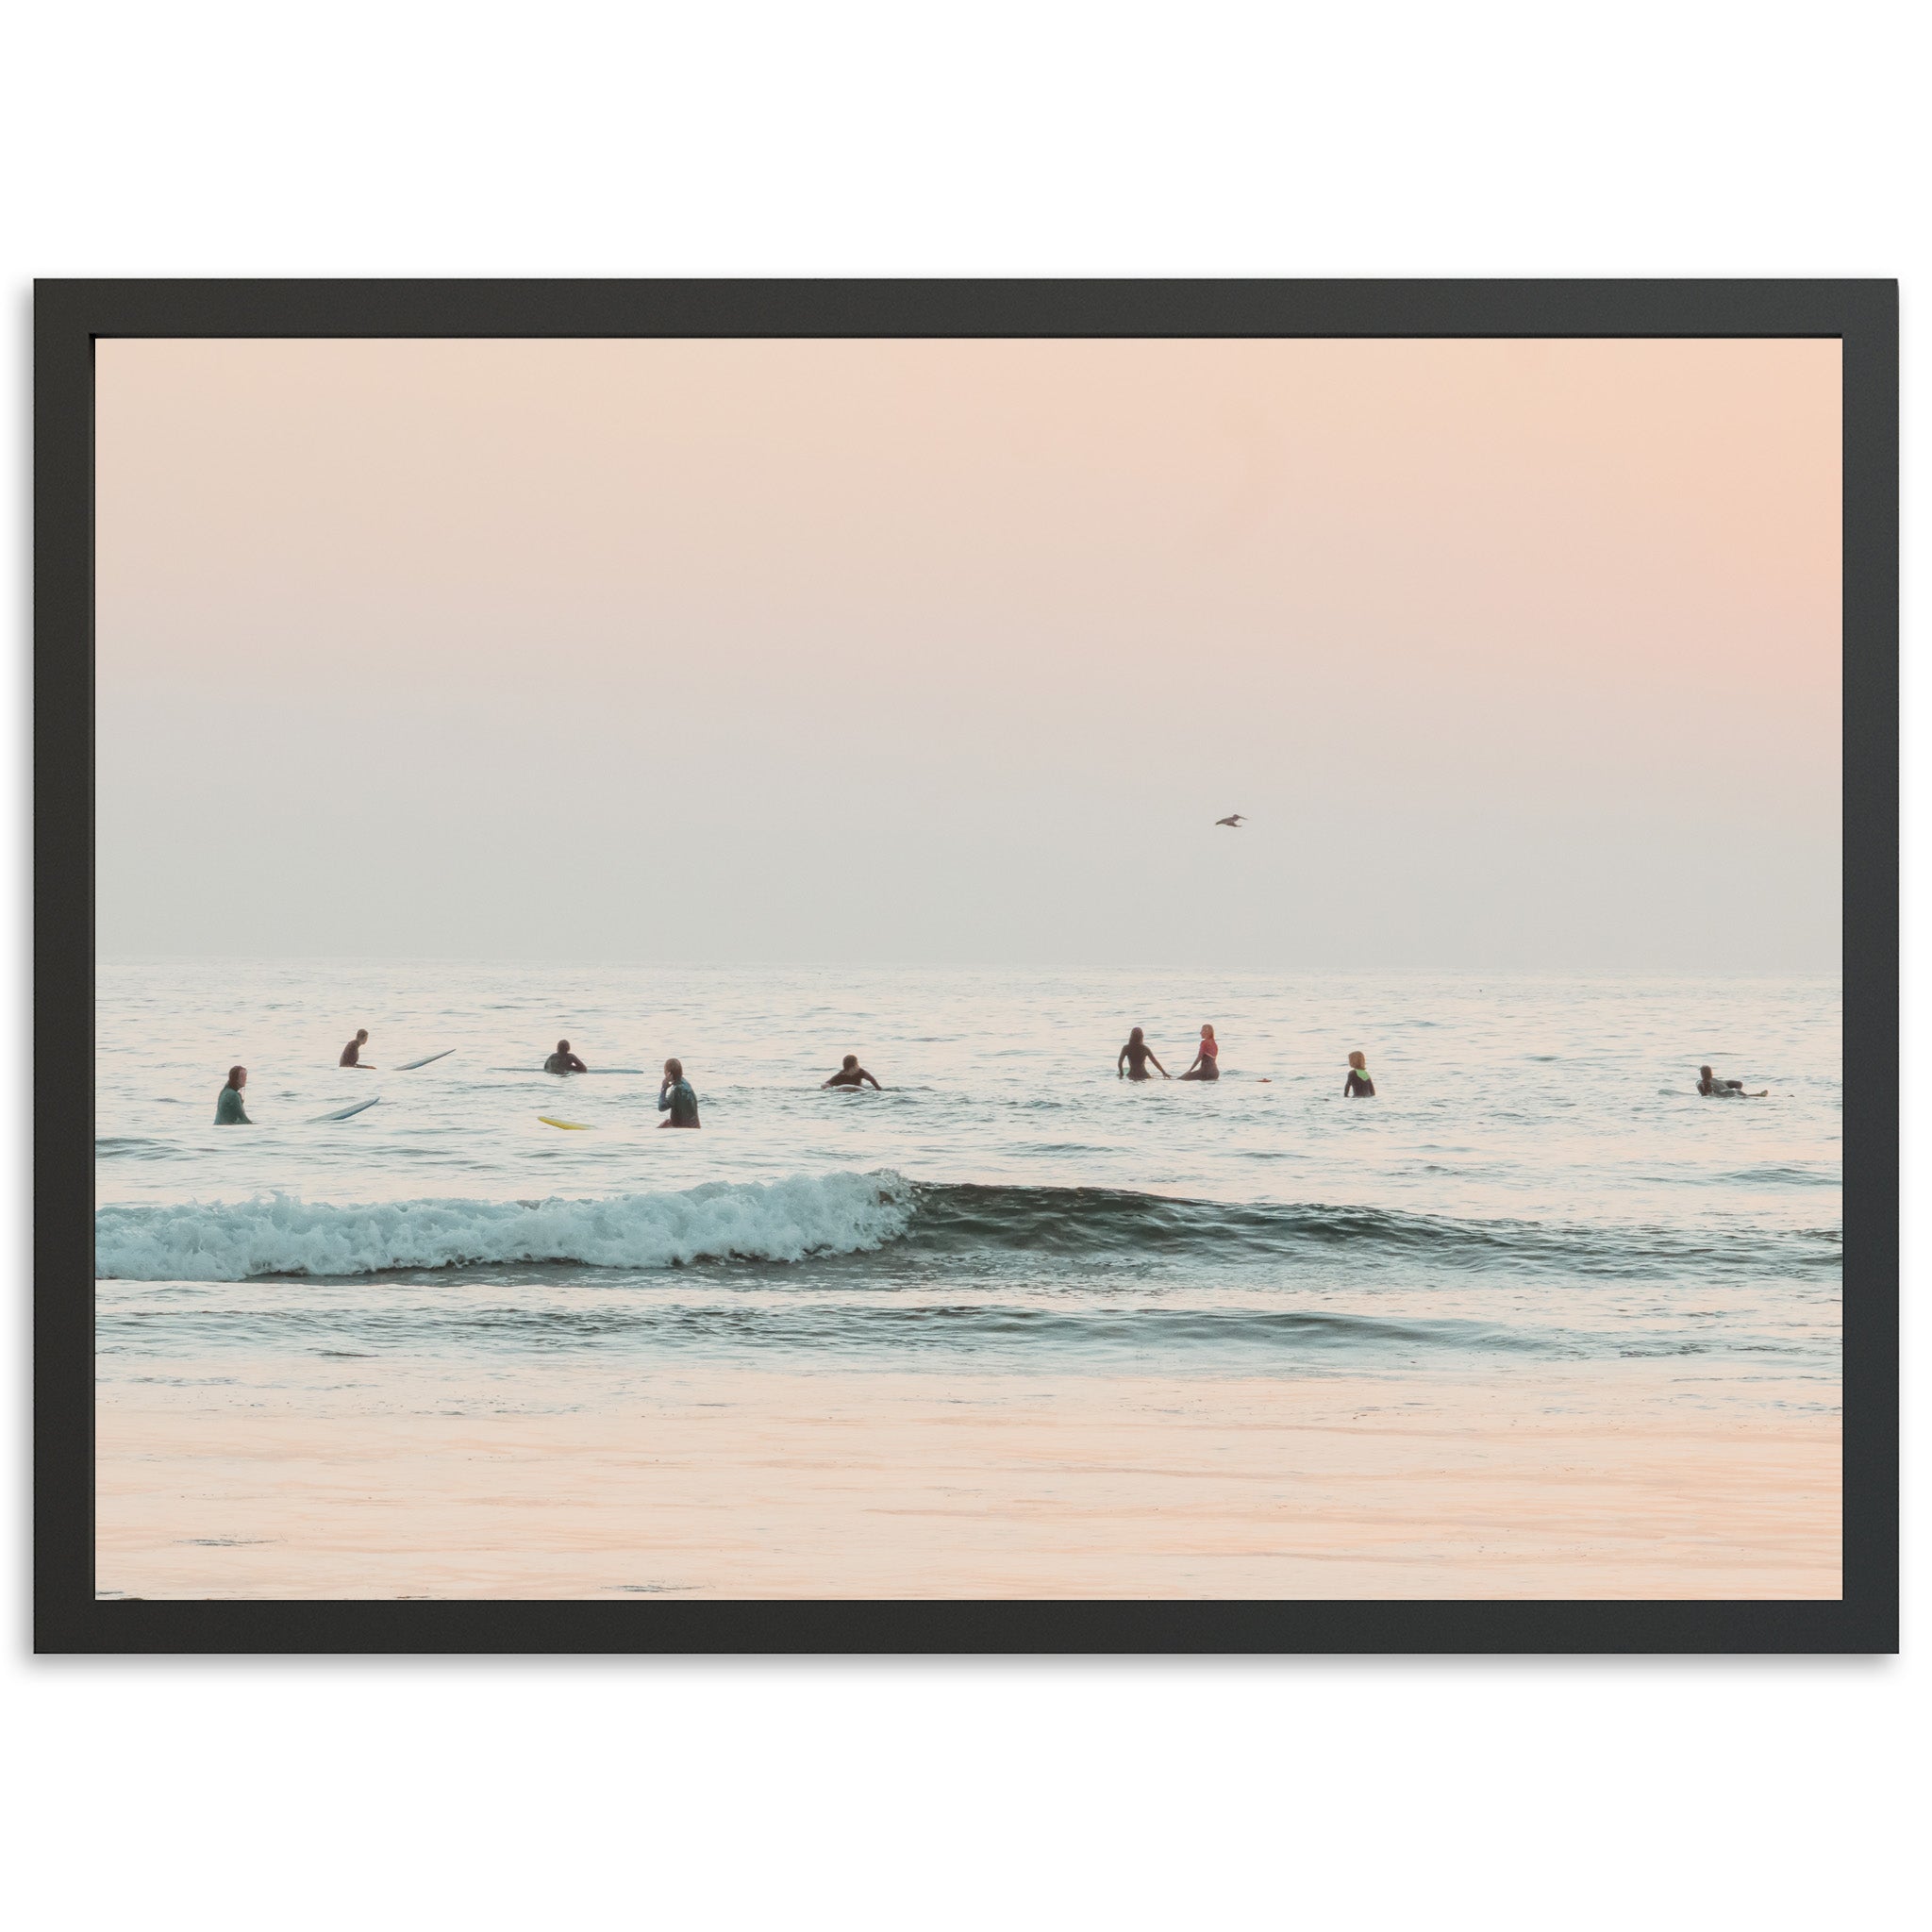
(572, 1126)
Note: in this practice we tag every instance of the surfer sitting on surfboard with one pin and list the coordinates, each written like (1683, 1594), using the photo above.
(1131, 1061)
(228, 1111)
(353, 1051)
(564, 1062)
(675, 1097)
(1207, 1061)
(1358, 1086)
(850, 1074)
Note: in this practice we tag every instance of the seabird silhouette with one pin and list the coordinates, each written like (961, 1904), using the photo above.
(1234, 819)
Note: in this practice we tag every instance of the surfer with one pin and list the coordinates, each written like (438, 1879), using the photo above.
(1713, 1088)
(1207, 1061)
(564, 1062)
(353, 1051)
(851, 1074)
(228, 1109)
(675, 1097)
(1358, 1086)
(1131, 1061)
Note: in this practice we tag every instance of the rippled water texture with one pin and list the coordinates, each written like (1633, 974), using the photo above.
(1537, 1177)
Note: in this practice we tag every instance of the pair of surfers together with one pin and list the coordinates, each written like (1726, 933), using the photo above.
(1131, 1064)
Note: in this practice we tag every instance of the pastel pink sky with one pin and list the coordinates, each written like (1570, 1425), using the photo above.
(1514, 653)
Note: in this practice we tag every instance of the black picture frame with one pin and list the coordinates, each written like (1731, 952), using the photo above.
(71, 315)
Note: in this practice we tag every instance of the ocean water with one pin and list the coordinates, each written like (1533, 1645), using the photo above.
(1537, 1181)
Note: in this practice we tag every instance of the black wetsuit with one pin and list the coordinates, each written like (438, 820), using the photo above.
(680, 1102)
(1138, 1053)
(564, 1063)
(1358, 1086)
(352, 1055)
(856, 1077)
(1721, 1089)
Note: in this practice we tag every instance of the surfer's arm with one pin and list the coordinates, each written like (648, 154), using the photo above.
(876, 1087)
(1164, 1074)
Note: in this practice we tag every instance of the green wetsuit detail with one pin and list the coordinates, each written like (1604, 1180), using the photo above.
(228, 1111)
(681, 1103)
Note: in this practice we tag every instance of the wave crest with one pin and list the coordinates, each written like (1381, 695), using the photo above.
(776, 1220)
(848, 1213)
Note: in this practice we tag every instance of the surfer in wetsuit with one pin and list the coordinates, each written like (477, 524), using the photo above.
(1131, 1061)
(675, 1097)
(1207, 1061)
(851, 1074)
(564, 1062)
(353, 1051)
(228, 1109)
(1712, 1087)
(1358, 1086)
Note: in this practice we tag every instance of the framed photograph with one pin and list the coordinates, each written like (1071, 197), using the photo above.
(975, 966)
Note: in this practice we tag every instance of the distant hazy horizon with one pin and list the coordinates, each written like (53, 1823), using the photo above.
(1516, 655)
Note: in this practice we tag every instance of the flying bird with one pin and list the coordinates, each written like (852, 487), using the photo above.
(1234, 819)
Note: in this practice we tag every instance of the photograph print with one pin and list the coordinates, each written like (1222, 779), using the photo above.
(1142, 968)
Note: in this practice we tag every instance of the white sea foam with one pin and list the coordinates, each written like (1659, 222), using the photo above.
(779, 1221)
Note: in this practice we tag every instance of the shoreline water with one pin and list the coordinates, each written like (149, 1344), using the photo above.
(715, 1480)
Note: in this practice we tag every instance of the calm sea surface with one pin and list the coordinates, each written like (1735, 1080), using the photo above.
(1537, 1180)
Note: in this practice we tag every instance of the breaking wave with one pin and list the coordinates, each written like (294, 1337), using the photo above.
(854, 1214)
(779, 1221)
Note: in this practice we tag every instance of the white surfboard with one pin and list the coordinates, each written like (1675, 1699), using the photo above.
(345, 1113)
(410, 1066)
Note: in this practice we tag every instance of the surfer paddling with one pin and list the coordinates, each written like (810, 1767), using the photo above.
(564, 1062)
(676, 1098)
(1713, 1088)
(1131, 1061)
(1358, 1086)
(352, 1053)
(1207, 1061)
(851, 1074)
(228, 1109)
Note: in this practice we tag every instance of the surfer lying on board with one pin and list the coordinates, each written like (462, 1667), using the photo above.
(1714, 1088)
(1132, 1058)
(564, 1062)
(352, 1053)
(850, 1074)
(228, 1112)
(1358, 1086)
(675, 1097)
(1207, 1061)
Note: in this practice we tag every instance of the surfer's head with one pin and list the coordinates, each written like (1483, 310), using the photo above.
(1208, 1033)
(361, 1034)
(563, 1047)
(237, 1076)
(1136, 1037)
(1357, 1062)
(1704, 1072)
(674, 1070)
(851, 1061)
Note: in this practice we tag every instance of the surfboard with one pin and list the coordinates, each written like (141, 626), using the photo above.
(344, 1113)
(410, 1066)
(572, 1126)
(589, 1072)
